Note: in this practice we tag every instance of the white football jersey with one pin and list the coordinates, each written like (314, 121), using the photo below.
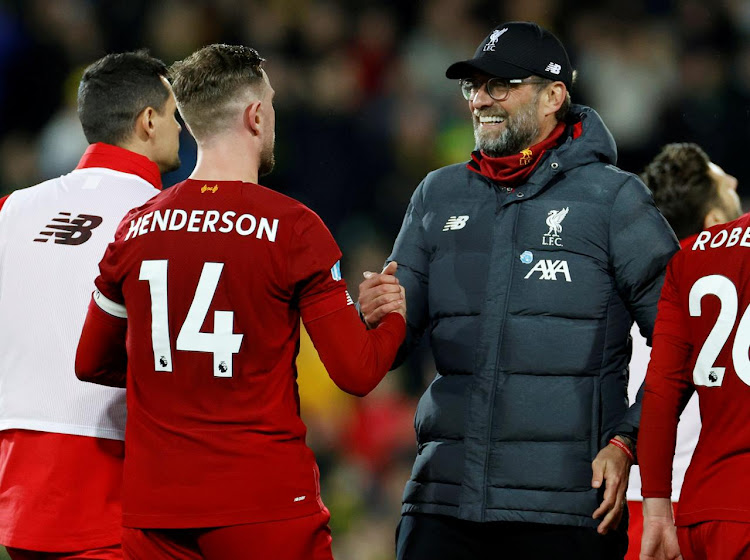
(688, 429)
(52, 237)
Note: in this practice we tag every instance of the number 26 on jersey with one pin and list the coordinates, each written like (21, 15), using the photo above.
(705, 372)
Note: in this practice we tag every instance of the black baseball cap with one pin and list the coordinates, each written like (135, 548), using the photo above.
(518, 49)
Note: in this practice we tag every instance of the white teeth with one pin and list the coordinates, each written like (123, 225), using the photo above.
(486, 120)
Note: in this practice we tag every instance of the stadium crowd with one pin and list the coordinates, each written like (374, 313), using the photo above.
(363, 113)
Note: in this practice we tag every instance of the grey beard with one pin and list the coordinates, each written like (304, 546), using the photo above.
(520, 130)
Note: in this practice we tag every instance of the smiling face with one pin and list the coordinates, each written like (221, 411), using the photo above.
(506, 127)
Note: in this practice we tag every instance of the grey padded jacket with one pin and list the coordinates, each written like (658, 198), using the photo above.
(528, 296)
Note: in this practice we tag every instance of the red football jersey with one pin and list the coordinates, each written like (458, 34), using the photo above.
(214, 277)
(701, 342)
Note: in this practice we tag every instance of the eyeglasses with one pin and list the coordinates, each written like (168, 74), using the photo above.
(497, 88)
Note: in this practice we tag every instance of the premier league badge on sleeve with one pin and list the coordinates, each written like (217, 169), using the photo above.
(336, 271)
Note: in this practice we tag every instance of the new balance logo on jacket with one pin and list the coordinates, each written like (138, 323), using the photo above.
(70, 231)
(455, 222)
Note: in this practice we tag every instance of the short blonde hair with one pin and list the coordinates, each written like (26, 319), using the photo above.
(209, 82)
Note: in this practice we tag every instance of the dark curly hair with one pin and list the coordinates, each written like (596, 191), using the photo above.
(682, 189)
(208, 82)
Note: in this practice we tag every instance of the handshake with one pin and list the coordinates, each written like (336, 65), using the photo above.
(380, 294)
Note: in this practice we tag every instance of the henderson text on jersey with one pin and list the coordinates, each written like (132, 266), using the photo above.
(203, 221)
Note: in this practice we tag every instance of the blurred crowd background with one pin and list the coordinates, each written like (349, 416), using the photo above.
(363, 113)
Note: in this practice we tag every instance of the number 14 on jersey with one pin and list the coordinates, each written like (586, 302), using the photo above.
(223, 343)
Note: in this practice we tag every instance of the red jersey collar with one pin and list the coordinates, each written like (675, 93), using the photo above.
(120, 159)
(688, 241)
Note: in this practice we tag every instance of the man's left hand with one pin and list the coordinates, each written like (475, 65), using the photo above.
(612, 468)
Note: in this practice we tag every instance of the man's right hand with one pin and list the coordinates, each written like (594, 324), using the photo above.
(380, 294)
(659, 541)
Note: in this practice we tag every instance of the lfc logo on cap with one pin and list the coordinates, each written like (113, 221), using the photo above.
(490, 46)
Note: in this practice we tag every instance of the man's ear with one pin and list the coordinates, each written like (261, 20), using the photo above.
(144, 124)
(251, 117)
(554, 96)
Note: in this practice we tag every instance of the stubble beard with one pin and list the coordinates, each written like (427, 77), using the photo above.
(732, 211)
(173, 165)
(519, 132)
(267, 159)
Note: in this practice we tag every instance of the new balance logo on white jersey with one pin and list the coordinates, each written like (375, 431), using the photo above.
(550, 269)
(68, 230)
(553, 68)
(455, 222)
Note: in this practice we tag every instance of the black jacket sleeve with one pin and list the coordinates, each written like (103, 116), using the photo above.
(641, 245)
(412, 254)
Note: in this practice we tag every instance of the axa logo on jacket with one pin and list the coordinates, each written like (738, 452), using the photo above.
(549, 269)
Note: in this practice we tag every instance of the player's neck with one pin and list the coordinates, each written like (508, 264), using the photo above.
(133, 144)
(222, 162)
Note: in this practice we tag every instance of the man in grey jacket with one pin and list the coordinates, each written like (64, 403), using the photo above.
(527, 266)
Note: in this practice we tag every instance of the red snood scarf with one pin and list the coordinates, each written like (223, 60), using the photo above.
(514, 169)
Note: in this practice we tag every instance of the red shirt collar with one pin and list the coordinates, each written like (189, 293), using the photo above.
(120, 159)
(688, 241)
